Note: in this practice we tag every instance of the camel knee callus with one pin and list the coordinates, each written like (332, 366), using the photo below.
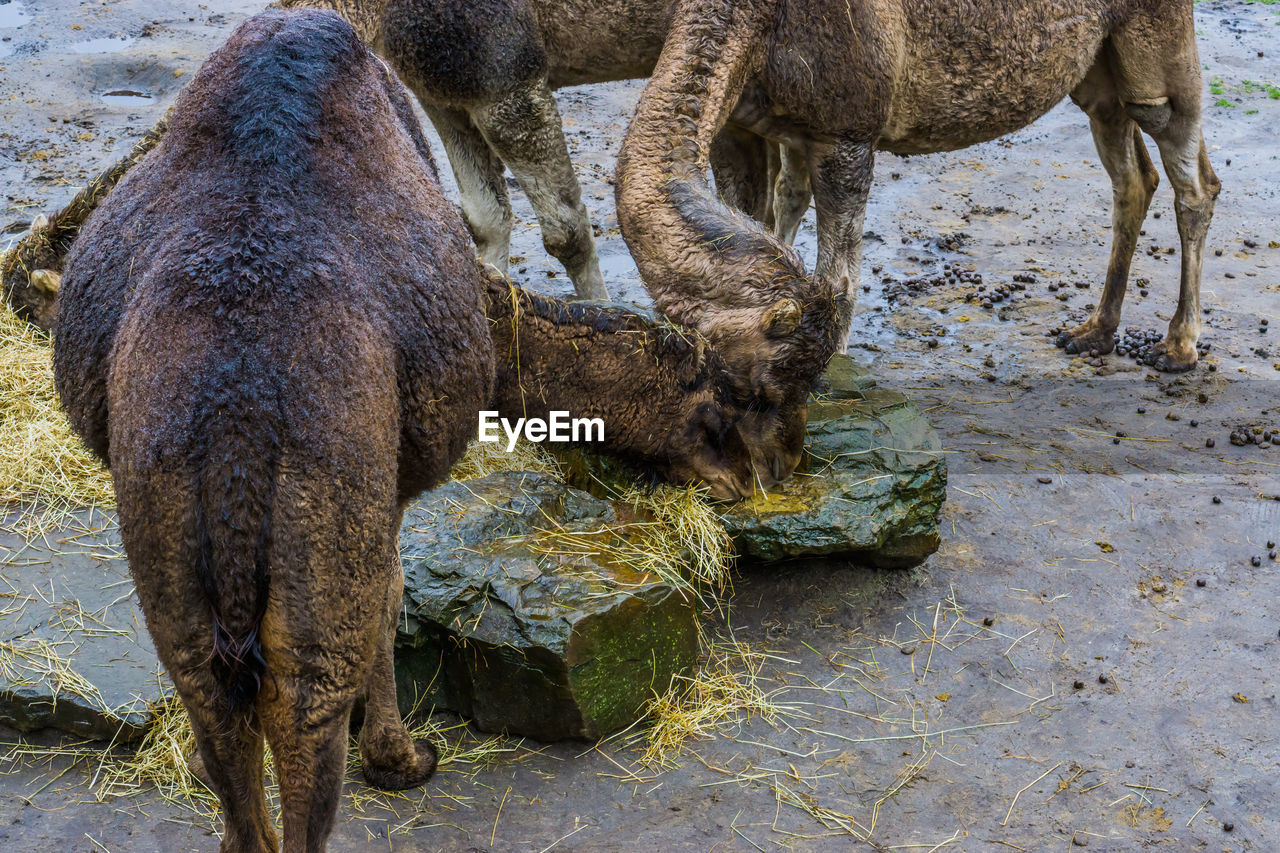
(268, 394)
(663, 394)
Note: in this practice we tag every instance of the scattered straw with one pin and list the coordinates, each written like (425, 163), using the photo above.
(725, 689)
(686, 536)
(159, 762)
(31, 660)
(490, 457)
(44, 469)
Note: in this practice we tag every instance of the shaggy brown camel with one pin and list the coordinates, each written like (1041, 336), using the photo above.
(836, 81)
(268, 395)
(661, 391)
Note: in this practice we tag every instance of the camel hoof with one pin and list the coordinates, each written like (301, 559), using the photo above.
(399, 778)
(1083, 340)
(1167, 363)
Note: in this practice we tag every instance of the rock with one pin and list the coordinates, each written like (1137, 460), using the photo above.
(522, 636)
(74, 654)
(872, 483)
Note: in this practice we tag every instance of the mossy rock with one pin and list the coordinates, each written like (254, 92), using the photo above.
(522, 636)
(871, 485)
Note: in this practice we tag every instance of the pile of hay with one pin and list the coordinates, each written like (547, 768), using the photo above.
(45, 472)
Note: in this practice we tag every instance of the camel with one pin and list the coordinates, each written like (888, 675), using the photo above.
(485, 73)
(835, 82)
(662, 393)
(268, 395)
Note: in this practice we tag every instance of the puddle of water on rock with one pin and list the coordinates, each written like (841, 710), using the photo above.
(12, 14)
(127, 98)
(105, 45)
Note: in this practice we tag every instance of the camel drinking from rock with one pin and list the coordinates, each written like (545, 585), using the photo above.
(268, 394)
(834, 82)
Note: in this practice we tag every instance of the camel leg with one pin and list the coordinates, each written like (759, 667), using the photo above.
(230, 755)
(773, 161)
(310, 749)
(485, 206)
(392, 760)
(526, 132)
(841, 177)
(740, 165)
(791, 194)
(153, 513)
(1133, 182)
(1195, 189)
(1158, 78)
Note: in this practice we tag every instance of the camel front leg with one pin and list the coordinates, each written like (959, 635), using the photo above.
(1195, 188)
(481, 185)
(791, 193)
(841, 177)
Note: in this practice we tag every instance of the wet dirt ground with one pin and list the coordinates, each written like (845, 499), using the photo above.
(1091, 657)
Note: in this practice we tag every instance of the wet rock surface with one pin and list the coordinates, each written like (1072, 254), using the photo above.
(510, 628)
(872, 484)
(74, 655)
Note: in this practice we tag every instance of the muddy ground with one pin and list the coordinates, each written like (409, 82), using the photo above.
(1087, 660)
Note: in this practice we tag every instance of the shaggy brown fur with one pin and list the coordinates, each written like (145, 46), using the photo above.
(273, 334)
(834, 81)
(662, 393)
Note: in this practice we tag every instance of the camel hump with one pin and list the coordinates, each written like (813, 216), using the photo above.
(464, 51)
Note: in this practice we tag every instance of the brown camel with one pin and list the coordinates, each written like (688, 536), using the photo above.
(834, 82)
(485, 72)
(268, 394)
(661, 392)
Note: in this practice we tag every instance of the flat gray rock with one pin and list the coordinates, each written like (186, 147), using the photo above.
(530, 634)
(74, 654)
(871, 486)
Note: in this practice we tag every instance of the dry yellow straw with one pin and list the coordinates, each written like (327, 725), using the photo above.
(43, 466)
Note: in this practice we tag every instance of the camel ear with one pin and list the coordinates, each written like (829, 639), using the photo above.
(45, 281)
(39, 222)
(781, 319)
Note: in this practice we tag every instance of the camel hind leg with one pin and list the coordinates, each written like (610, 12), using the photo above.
(1158, 80)
(230, 763)
(525, 130)
(310, 750)
(486, 208)
(392, 760)
(1133, 183)
(156, 515)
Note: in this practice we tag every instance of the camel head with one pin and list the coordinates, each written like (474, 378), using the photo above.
(773, 354)
(705, 442)
(710, 448)
(31, 274)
